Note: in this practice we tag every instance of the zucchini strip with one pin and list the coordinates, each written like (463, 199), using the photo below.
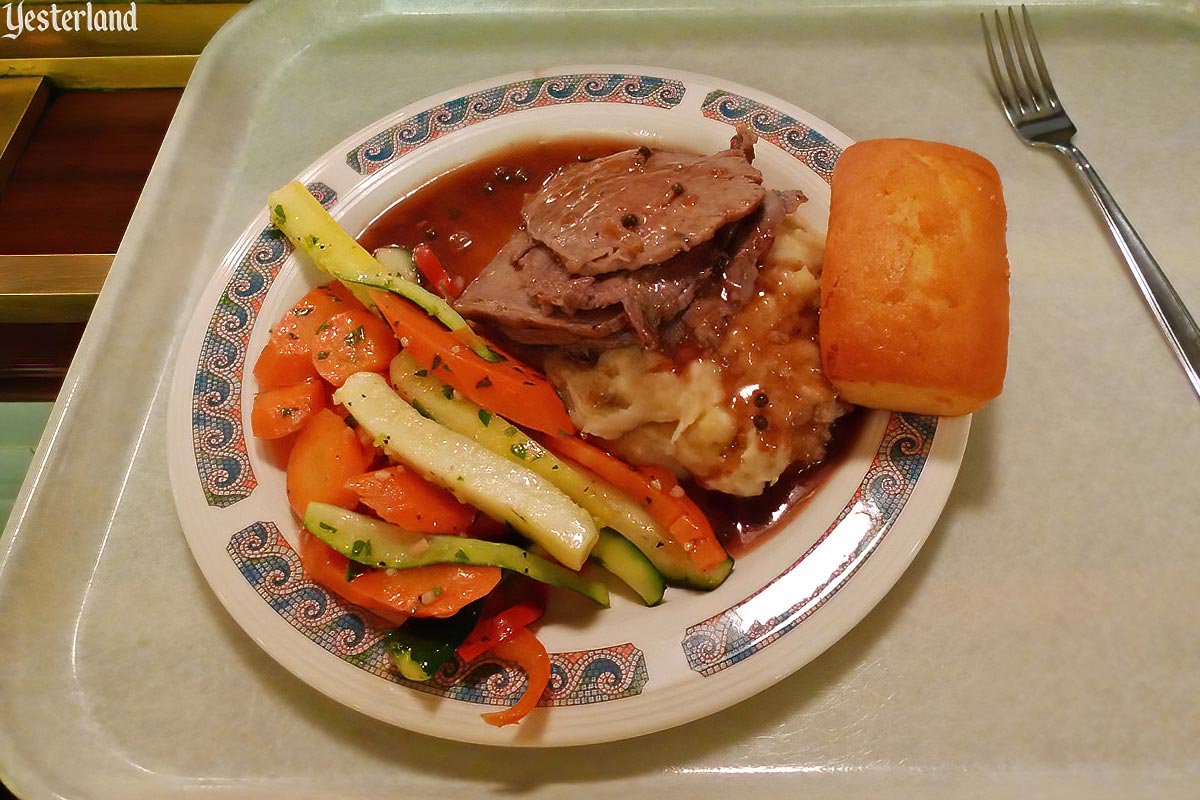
(422, 645)
(621, 557)
(499, 488)
(311, 229)
(382, 545)
(609, 506)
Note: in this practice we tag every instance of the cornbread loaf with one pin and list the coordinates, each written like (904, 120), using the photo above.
(914, 288)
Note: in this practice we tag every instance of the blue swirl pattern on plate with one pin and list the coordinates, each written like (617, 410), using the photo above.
(273, 569)
(218, 440)
(428, 125)
(772, 125)
(747, 627)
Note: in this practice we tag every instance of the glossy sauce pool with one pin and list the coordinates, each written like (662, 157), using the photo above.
(468, 214)
(744, 523)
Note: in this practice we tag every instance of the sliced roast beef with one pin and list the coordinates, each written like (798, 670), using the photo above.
(588, 286)
(503, 295)
(707, 316)
(526, 292)
(638, 207)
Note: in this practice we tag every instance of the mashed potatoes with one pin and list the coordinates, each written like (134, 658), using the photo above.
(736, 418)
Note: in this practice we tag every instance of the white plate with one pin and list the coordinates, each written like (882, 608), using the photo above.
(621, 672)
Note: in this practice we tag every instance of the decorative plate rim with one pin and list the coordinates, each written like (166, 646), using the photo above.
(281, 611)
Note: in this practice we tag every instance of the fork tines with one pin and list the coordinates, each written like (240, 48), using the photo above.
(1027, 90)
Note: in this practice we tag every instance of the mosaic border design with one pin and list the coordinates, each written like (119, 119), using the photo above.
(431, 124)
(772, 125)
(273, 569)
(218, 440)
(738, 632)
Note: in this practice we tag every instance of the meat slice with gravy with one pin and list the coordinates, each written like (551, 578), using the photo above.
(640, 246)
(641, 207)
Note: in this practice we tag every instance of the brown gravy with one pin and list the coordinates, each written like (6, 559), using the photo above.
(743, 523)
(468, 214)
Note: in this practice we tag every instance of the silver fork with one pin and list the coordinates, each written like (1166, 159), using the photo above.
(1033, 108)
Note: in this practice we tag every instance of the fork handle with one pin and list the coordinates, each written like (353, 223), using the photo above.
(1172, 315)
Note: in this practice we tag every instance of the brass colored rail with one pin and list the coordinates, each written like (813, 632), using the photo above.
(105, 72)
(159, 54)
(50, 288)
(21, 103)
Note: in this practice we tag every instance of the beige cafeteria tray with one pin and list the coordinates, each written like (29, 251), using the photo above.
(1043, 643)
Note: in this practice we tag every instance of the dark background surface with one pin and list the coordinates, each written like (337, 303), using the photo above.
(76, 204)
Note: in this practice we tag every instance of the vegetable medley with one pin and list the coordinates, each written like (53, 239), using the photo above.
(442, 485)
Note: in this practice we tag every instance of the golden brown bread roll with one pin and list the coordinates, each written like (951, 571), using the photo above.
(914, 289)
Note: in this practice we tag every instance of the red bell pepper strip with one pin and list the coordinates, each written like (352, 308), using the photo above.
(526, 651)
(429, 265)
(496, 629)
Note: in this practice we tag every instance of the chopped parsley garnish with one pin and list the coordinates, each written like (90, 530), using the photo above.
(448, 392)
(485, 417)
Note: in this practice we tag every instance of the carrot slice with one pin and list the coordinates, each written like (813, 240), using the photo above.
(277, 366)
(402, 497)
(508, 388)
(495, 629)
(526, 651)
(326, 454)
(286, 359)
(352, 341)
(691, 529)
(658, 492)
(279, 412)
(437, 590)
